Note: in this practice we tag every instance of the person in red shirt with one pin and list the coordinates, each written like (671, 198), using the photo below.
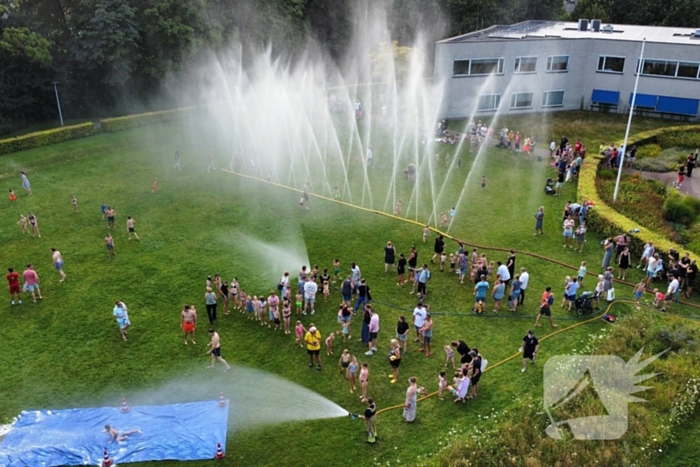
(545, 303)
(13, 281)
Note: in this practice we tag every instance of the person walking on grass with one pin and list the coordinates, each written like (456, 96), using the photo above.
(74, 201)
(545, 310)
(539, 220)
(389, 257)
(154, 185)
(31, 282)
(370, 420)
(13, 282)
(568, 231)
(210, 302)
(402, 331)
(638, 292)
(363, 294)
(23, 223)
(524, 281)
(623, 261)
(188, 322)
(580, 235)
(109, 243)
(111, 213)
(34, 223)
(419, 314)
(131, 227)
(310, 289)
(313, 346)
(25, 182)
(529, 347)
(120, 312)
(215, 350)
(58, 263)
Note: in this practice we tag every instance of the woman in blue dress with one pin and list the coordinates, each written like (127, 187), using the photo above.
(539, 218)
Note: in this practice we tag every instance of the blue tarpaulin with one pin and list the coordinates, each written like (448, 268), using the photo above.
(601, 96)
(644, 100)
(677, 105)
(184, 432)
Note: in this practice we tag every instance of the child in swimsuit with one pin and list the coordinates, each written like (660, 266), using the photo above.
(442, 384)
(352, 371)
(300, 300)
(449, 356)
(249, 307)
(344, 362)
(336, 270)
(426, 233)
(286, 314)
(13, 196)
(299, 332)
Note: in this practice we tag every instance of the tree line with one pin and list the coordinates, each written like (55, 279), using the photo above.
(116, 56)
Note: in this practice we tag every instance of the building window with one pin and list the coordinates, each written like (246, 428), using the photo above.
(489, 102)
(688, 70)
(659, 67)
(525, 65)
(611, 64)
(478, 67)
(557, 63)
(553, 99)
(670, 68)
(521, 100)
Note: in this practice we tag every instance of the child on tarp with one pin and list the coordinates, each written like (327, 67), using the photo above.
(115, 435)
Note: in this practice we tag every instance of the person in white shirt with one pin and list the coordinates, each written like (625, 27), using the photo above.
(651, 267)
(310, 289)
(671, 294)
(524, 279)
(504, 273)
(419, 313)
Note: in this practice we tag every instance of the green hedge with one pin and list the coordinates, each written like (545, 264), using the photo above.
(45, 138)
(151, 118)
(606, 220)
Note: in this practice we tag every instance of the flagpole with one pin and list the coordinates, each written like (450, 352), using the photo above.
(621, 157)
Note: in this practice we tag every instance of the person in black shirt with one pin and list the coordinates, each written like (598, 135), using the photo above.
(530, 347)
(401, 269)
(389, 256)
(463, 350)
(439, 247)
(511, 264)
(346, 290)
(475, 372)
(402, 332)
(691, 272)
(370, 421)
(563, 143)
(363, 295)
(412, 262)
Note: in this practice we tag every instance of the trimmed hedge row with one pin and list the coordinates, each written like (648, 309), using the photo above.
(608, 221)
(45, 138)
(110, 125)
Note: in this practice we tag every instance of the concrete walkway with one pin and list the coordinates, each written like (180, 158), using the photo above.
(691, 185)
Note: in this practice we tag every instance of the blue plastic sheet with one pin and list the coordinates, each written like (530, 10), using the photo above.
(184, 432)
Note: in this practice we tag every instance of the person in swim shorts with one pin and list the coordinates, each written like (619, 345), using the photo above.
(188, 322)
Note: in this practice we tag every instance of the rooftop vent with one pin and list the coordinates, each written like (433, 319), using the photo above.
(595, 25)
(608, 28)
(696, 33)
(583, 25)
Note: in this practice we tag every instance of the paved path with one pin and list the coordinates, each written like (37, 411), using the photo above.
(691, 185)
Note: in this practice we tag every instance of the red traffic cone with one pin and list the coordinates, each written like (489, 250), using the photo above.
(125, 407)
(222, 401)
(220, 454)
(106, 461)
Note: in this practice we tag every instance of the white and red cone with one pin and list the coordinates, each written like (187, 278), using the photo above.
(125, 406)
(220, 454)
(106, 461)
(222, 401)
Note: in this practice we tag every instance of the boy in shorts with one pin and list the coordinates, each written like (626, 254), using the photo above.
(130, 228)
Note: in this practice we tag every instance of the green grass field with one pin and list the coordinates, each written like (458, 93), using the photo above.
(66, 351)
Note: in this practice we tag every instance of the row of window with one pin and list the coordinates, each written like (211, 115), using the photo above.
(560, 64)
(495, 66)
(521, 100)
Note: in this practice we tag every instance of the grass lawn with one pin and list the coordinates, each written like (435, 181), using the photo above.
(67, 352)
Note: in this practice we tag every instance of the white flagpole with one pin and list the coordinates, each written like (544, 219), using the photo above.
(621, 157)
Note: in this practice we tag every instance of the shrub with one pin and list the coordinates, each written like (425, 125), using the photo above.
(693, 203)
(648, 150)
(45, 138)
(680, 138)
(607, 174)
(151, 118)
(677, 210)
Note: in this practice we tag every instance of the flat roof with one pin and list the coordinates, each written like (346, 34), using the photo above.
(533, 30)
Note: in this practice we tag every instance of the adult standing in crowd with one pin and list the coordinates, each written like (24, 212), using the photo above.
(363, 295)
(346, 290)
(480, 293)
(427, 332)
(511, 264)
(210, 302)
(608, 247)
(691, 273)
(539, 221)
(122, 315)
(439, 247)
(419, 313)
(373, 331)
(394, 360)
(409, 409)
(412, 262)
(313, 346)
(545, 304)
(524, 281)
(389, 257)
(623, 261)
(503, 272)
(310, 289)
(402, 332)
(366, 318)
(475, 375)
(423, 278)
(463, 350)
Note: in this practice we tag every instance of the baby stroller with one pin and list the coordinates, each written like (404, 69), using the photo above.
(549, 187)
(584, 303)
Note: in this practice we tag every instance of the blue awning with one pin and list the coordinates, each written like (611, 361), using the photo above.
(677, 105)
(605, 97)
(644, 100)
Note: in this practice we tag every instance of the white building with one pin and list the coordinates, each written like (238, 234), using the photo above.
(548, 65)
